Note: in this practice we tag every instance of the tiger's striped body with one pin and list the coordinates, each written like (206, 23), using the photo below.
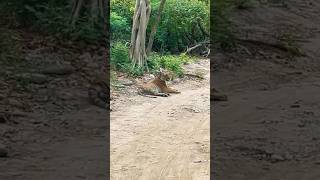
(158, 86)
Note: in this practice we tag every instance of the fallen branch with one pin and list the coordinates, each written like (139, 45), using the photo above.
(196, 46)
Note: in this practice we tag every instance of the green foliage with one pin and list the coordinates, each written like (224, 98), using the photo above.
(54, 20)
(170, 62)
(288, 40)
(23, 15)
(120, 61)
(120, 28)
(121, 19)
(221, 32)
(178, 27)
(179, 24)
(124, 8)
(221, 26)
(53, 17)
(119, 55)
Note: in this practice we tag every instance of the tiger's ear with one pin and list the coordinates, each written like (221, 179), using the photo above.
(161, 70)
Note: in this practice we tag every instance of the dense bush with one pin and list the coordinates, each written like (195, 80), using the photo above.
(19, 9)
(120, 27)
(124, 8)
(121, 19)
(171, 62)
(220, 30)
(53, 17)
(120, 61)
(183, 23)
(119, 55)
(178, 27)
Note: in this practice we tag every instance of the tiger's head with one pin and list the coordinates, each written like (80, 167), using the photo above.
(165, 75)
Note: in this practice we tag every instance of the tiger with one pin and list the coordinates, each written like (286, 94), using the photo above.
(158, 86)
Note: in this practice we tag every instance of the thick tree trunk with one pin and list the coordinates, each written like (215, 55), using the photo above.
(138, 33)
(76, 11)
(155, 26)
(98, 9)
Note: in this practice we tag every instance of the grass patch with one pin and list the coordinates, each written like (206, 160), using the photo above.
(171, 62)
(120, 61)
(289, 41)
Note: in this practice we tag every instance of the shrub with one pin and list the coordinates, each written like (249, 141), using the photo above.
(170, 62)
(53, 17)
(289, 42)
(124, 8)
(119, 55)
(120, 60)
(120, 28)
(178, 27)
(121, 19)
(221, 34)
(179, 24)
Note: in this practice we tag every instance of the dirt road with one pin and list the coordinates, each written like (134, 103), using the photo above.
(60, 134)
(269, 129)
(163, 138)
(268, 134)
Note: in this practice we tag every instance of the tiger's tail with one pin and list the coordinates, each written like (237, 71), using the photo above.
(146, 95)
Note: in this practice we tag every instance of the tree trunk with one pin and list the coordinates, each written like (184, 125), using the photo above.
(154, 27)
(75, 11)
(98, 9)
(138, 34)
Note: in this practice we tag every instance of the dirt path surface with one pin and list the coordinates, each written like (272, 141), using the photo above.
(163, 138)
(48, 127)
(269, 129)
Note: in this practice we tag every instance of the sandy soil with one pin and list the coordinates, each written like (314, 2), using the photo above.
(269, 129)
(166, 137)
(56, 133)
(275, 135)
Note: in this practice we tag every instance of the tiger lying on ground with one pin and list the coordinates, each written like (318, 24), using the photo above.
(158, 86)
